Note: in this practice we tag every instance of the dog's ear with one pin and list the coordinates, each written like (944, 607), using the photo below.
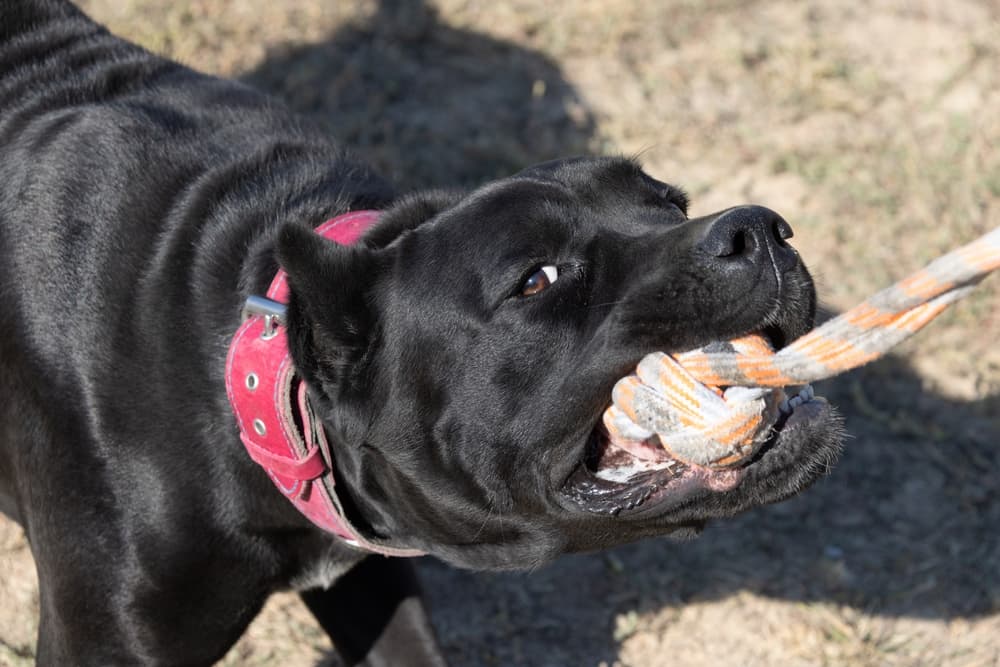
(331, 320)
(408, 213)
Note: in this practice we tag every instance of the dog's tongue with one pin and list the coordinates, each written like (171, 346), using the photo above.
(649, 449)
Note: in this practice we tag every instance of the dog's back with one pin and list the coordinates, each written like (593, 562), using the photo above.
(89, 183)
(137, 204)
(135, 195)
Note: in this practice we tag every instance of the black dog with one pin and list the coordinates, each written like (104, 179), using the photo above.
(460, 356)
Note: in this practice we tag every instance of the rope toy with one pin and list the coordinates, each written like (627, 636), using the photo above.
(677, 398)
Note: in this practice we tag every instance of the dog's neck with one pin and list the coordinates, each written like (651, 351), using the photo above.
(271, 404)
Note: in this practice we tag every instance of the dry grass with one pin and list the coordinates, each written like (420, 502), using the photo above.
(873, 129)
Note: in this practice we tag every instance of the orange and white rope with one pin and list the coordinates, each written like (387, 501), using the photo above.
(677, 397)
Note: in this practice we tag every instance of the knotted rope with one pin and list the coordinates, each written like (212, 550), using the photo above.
(677, 397)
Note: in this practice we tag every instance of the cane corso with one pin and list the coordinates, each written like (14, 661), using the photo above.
(459, 356)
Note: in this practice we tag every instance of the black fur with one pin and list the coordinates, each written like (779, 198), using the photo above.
(141, 202)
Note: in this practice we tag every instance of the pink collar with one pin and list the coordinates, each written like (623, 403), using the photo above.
(271, 403)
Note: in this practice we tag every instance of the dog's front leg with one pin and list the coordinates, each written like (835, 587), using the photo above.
(375, 616)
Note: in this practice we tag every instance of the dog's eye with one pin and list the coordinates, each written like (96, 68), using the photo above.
(539, 280)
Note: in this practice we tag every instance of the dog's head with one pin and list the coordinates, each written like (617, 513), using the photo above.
(462, 355)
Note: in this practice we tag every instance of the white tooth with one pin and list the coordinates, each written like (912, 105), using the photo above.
(784, 407)
(805, 395)
(812, 394)
(795, 402)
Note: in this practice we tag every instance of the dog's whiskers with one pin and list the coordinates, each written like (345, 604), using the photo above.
(605, 304)
(489, 513)
(493, 505)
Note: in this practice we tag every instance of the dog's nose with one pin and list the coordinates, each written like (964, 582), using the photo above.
(750, 232)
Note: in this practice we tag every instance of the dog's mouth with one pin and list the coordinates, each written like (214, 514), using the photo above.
(620, 476)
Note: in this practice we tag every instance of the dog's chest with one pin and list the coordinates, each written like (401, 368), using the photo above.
(323, 570)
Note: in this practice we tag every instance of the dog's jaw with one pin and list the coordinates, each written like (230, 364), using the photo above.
(807, 440)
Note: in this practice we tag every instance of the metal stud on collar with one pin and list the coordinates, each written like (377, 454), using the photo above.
(273, 312)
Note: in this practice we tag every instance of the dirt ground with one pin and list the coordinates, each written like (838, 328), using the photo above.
(872, 127)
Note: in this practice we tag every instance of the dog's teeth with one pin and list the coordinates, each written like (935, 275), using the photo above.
(806, 394)
(784, 407)
(795, 402)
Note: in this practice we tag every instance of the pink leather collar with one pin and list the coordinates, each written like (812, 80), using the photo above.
(271, 404)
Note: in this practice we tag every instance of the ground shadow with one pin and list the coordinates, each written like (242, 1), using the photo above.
(905, 525)
(429, 104)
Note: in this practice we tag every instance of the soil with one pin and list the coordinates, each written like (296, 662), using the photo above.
(872, 127)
